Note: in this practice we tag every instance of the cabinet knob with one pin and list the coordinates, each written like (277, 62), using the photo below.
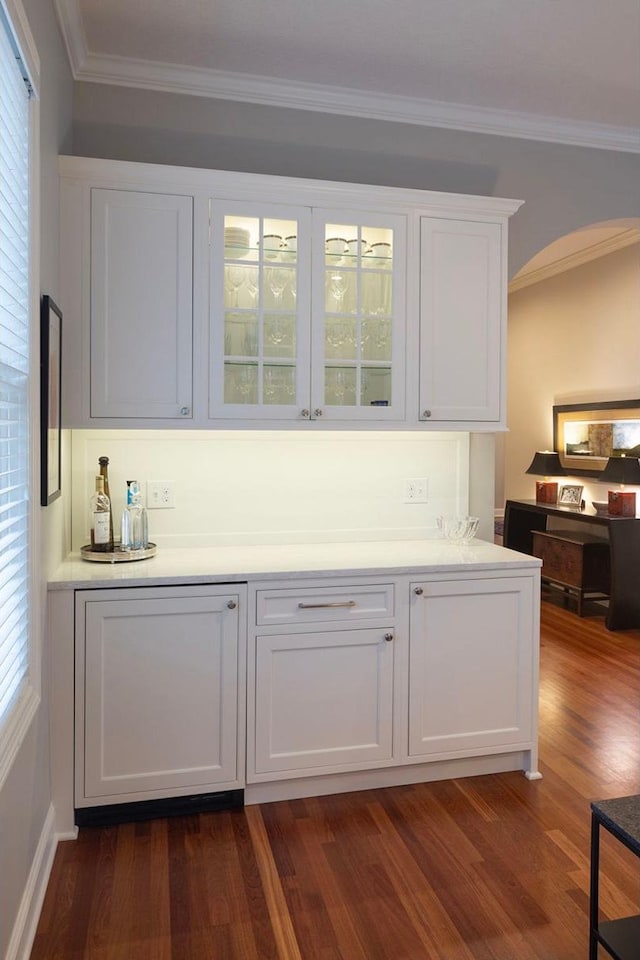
(185, 411)
(305, 414)
(418, 591)
(388, 637)
(317, 412)
(231, 604)
(426, 414)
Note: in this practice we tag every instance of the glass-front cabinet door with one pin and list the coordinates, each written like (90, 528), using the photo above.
(307, 313)
(259, 311)
(358, 316)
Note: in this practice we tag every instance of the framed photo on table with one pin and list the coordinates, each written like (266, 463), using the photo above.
(50, 401)
(570, 495)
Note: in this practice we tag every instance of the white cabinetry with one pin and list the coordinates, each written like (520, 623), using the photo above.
(141, 304)
(206, 298)
(159, 698)
(321, 676)
(462, 311)
(307, 313)
(372, 684)
(473, 666)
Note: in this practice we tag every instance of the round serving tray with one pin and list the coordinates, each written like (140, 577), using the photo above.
(117, 555)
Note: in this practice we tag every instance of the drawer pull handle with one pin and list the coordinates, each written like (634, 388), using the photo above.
(388, 637)
(418, 591)
(231, 604)
(318, 606)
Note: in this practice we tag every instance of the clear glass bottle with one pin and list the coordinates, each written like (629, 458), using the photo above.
(135, 534)
(104, 473)
(100, 519)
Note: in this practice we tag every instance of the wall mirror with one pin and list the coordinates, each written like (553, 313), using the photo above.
(587, 434)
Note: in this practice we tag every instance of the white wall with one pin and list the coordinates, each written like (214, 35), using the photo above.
(277, 486)
(25, 793)
(572, 338)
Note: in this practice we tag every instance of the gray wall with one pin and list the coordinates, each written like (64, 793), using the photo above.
(564, 187)
(25, 794)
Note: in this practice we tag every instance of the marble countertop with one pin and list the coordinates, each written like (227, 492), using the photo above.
(229, 564)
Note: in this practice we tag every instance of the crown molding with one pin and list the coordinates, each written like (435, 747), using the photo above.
(625, 239)
(267, 91)
(72, 33)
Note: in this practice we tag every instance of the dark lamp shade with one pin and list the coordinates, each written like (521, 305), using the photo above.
(621, 470)
(546, 463)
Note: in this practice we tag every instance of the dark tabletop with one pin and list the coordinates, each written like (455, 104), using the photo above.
(622, 817)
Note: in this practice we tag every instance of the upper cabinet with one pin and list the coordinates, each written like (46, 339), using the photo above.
(461, 321)
(141, 304)
(307, 313)
(220, 299)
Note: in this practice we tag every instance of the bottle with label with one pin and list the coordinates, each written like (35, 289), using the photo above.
(104, 473)
(100, 519)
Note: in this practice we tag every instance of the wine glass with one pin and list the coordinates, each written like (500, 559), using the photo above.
(339, 387)
(278, 330)
(251, 283)
(276, 280)
(235, 276)
(246, 381)
(270, 385)
(338, 288)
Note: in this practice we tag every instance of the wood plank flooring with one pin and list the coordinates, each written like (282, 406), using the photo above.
(485, 868)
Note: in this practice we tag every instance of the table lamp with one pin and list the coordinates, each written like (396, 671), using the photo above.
(546, 463)
(622, 503)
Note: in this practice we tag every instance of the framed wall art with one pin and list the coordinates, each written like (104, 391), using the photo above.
(587, 434)
(50, 401)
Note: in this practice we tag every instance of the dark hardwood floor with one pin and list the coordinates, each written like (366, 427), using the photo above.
(485, 868)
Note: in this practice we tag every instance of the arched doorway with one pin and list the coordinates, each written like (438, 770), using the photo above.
(573, 336)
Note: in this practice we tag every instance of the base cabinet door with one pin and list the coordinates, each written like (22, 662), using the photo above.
(473, 662)
(157, 694)
(323, 701)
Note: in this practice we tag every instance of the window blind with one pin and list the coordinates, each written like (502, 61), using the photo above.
(14, 375)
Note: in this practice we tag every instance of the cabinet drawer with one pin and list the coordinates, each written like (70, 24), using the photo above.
(320, 604)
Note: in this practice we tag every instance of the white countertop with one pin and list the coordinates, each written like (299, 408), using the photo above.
(185, 565)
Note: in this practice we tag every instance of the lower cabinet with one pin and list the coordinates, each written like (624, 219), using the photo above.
(324, 700)
(159, 705)
(427, 679)
(321, 673)
(348, 683)
(472, 666)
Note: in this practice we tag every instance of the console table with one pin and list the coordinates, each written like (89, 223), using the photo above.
(523, 517)
(621, 817)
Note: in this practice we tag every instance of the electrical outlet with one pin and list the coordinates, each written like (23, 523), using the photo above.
(160, 495)
(416, 490)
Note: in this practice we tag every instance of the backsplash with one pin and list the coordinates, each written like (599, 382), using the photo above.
(276, 486)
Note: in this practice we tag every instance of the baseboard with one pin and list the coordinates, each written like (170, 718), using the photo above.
(26, 923)
(400, 775)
